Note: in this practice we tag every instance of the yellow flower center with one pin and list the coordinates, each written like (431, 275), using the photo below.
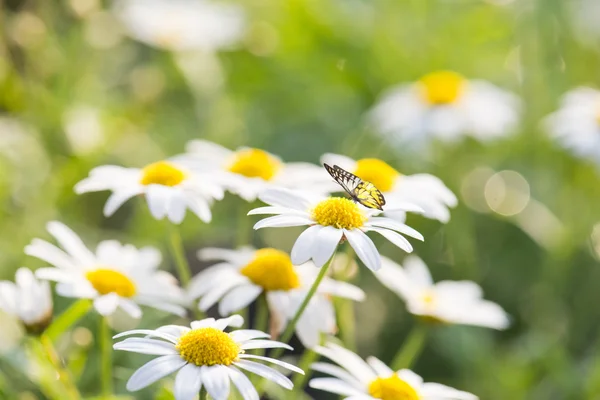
(107, 281)
(255, 163)
(162, 173)
(338, 212)
(272, 270)
(208, 346)
(378, 172)
(442, 87)
(392, 388)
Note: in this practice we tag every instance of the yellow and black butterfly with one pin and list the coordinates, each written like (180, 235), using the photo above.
(362, 192)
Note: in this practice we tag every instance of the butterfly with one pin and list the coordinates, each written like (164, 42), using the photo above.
(362, 192)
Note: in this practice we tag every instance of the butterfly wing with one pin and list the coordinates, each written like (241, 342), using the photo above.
(369, 196)
(344, 178)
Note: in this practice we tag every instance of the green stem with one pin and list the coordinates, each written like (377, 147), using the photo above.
(68, 317)
(412, 347)
(261, 320)
(63, 374)
(105, 338)
(203, 394)
(291, 327)
(178, 253)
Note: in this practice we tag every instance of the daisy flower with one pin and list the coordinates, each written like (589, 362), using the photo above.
(170, 188)
(356, 379)
(576, 125)
(205, 356)
(115, 276)
(253, 170)
(423, 190)
(446, 105)
(246, 273)
(27, 299)
(331, 219)
(180, 25)
(450, 302)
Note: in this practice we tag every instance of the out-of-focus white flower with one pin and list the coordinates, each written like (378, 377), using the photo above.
(451, 302)
(423, 190)
(356, 379)
(254, 170)
(116, 276)
(83, 129)
(205, 356)
(246, 273)
(180, 25)
(331, 220)
(170, 188)
(576, 125)
(446, 106)
(27, 299)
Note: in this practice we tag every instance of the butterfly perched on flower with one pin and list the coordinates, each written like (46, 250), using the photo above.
(362, 192)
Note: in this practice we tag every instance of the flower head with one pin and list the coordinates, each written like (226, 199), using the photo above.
(331, 220)
(576, 125)
(115, 276)
(170, 188)
(27, 299)
(423, 190)
(372, 380)
(451, 302)
(246, 273)
(253, 170)
(205, 356)
(182, 24)
(446, 105)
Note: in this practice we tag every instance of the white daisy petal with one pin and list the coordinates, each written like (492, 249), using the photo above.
(265, 372)
(337, 372)
(365, 248)
(396, 226)
(176, 207)
(118, 198)
(243, 384)
(410, 377)
(234, 320)
(238, 298)
(146, 346)
(284, 198)
(379, 367)
(241, 335)
(162, 333)
(154, 370)
(325, 243)
(264, 344)
(107, 304)
(333, 385)
(274, 361)
(303, 248)
(280, 221)
(158, 197)
(188, 382)
(436, 390)
(350, 361)
(70, 242)
(216, 381)
(395, 238)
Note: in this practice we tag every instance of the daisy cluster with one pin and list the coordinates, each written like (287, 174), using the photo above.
(291, 292)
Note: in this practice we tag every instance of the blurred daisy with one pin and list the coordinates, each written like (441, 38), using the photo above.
(576, 125)
(447, 106)
(359, 380)
(254, 170)
(331, 220)
(451, 302)
(181, 25)
(246, 273)
(205, 356)
(116, 276)
(423, 190)
(170, 188)
(27, 299)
